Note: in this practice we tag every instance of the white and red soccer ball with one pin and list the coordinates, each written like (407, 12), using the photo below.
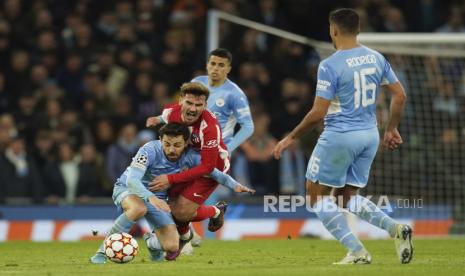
(121, 247)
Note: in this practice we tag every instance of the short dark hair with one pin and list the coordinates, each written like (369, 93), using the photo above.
(195, 88)
(221, 52)
(346, 19)
(174, 129)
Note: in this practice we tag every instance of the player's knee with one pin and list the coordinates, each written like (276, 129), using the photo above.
(137, 211)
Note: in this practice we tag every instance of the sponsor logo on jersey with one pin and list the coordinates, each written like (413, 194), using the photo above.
(322, 85)
(211, 144)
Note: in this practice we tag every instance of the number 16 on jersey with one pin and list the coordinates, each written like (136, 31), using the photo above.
(362, 87)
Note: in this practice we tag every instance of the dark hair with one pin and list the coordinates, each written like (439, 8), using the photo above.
(175, 129)
(346, 19)
(221, 52)
(195, 88)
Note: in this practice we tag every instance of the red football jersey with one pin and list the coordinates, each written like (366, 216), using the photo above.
(205, 136)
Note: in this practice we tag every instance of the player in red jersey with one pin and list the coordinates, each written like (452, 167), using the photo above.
(190, 189)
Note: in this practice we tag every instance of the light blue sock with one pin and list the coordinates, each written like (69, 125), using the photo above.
(368, 211)
(121, 224)
(334, 220)
(154, 243)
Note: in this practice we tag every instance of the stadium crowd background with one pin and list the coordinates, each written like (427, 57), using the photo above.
(79, 78)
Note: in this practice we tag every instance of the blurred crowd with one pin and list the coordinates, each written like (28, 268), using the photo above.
(78, 78)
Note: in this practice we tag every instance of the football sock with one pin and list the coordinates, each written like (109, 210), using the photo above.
(154, 243)
(334, 220)
(206, 211)
(368, 211)
(186, 235)
(121, 224)
(183, 229)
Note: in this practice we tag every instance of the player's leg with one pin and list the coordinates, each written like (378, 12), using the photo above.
(334, 220)
(166, 236)
(189, 207)
(327, 169)
(365, 209)
(133, 208)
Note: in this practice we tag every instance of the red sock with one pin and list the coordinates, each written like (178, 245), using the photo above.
(183, 227)
(204, 212)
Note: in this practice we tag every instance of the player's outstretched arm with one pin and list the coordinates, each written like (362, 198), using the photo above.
(316, 114)
(228, 181)
(153, 121)
(392, 138)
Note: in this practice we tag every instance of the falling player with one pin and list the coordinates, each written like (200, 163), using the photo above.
(347, 87)
(170, 154)
(190, 187)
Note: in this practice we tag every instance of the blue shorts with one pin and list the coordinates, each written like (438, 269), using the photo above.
(155, 217)
(341, 158)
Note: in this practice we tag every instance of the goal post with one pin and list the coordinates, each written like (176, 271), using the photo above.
(428, 170)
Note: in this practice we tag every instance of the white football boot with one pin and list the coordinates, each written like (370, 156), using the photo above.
(403, 242)
(360, 257)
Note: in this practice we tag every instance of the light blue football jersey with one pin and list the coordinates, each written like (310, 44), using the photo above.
(229, 104)
(351, 80)
(152, 159)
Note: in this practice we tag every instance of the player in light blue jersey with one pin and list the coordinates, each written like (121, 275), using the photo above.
(349, 82)
(131, 191)
(227, 101)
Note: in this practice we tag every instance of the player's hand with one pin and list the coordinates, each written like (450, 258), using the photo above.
(152, 122)
(243, 189)
(159, 183)
(282, 145)
(159, 204)
(392, 139)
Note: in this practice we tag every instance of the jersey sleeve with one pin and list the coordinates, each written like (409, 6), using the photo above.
(389, 77)
(240, 108)
(165, 115)
(326, 83)
(241, 111)
(208, 157)
(144, 157)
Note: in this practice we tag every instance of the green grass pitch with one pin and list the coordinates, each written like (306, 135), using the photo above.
(252, 257)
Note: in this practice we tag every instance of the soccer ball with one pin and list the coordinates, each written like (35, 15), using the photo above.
(121, 247)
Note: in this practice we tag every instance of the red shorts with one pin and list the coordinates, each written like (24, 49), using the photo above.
(196, 191)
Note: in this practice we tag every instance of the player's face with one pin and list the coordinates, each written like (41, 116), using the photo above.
(192, 107)
(218, 68)
(173, 146)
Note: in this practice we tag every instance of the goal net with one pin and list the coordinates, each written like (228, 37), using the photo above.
(425, 178)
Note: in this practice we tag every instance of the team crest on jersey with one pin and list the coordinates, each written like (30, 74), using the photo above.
(219, 102)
